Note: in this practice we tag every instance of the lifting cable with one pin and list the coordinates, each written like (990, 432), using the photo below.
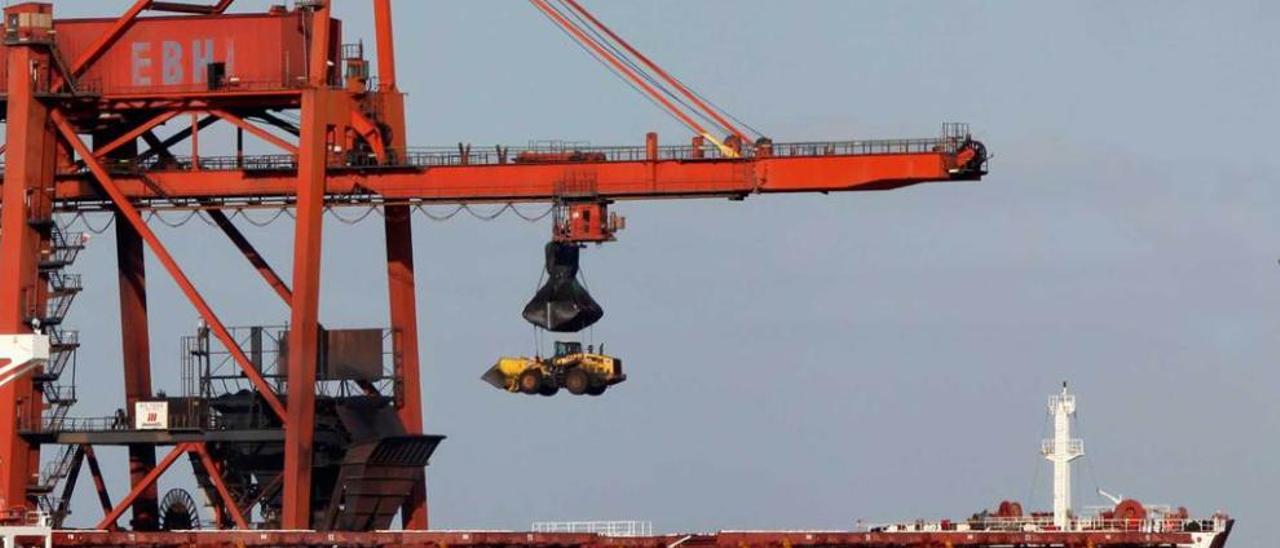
(579, 13)
(608, 49)
(635, 67)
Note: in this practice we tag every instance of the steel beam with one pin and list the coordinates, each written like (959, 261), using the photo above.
(256, 131)
(398, 225)
(127, 209)
(28, 178)
(104, 42)
(135, 343)
(109, 521)
(99, 483)
(304, 321)
(251, 253)
(629, 180)
(180, 136)
(131, 136)
(401, 279)
(215, 476)
(383, 29)
(69, 486)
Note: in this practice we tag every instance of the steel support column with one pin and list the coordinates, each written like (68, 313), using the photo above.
(135, 338)
(404, 324)
(28, 178)
(304, 320)
(136, 345)
(401, 284)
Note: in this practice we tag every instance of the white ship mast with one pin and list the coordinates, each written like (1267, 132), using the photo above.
(1061, 450)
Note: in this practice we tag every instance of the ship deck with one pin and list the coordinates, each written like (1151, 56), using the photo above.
(724, 538)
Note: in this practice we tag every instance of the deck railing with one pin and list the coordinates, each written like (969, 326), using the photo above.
(1167, 524)
(602, 528)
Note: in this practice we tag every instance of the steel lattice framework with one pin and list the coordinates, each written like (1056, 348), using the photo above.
(116, 81)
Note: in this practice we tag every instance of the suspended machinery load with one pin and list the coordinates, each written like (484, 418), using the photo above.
(562, 304)
(570, 368)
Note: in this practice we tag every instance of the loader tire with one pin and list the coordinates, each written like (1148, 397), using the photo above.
(549, 387)
(597, 389)
(577, 382)
(530, 382)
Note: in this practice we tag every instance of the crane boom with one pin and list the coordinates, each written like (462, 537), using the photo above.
(614, 174)
(75, 134)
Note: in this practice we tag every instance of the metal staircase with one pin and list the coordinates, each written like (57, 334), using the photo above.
(56, 382)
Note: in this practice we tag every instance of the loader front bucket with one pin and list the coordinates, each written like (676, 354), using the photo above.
(495, 377)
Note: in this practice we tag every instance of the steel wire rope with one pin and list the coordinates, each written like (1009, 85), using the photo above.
(613, 70)
(1035, 478)
(1088, 462)
(716, 107)
(538, 332)
(583, 24)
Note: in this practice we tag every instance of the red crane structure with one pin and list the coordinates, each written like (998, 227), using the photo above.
(84, 100)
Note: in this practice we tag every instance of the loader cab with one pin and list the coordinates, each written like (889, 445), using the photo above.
(565, 348)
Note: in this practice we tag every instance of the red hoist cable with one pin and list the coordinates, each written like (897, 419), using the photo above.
(642, 81)
(675, 83)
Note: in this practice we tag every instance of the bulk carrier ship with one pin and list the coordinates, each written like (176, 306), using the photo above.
(1127, 523)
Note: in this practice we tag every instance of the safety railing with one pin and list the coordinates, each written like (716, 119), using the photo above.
(63, 289)
(1056, 400)
(66, 247)
(56, 469)
(62, 350)
(1050, 447)
(429, 157)
(1046, 524)
(120, 422)
(59, 394)
(602, 528)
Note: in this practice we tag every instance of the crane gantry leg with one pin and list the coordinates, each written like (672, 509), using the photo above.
(404, 328)
(401, 284)
(304, 325)
(28, 178)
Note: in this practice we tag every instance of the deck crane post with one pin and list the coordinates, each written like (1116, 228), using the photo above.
(132, 78)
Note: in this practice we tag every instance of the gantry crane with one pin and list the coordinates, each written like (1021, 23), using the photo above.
(118, 80)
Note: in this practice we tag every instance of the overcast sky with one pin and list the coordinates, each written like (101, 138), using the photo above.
(809, 361)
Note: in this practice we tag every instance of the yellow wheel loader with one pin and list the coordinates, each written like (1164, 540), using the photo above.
(570, 368)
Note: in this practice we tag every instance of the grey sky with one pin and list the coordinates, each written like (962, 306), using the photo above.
(806, 361)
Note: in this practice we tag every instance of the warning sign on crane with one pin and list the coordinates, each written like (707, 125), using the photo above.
(151, 415)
